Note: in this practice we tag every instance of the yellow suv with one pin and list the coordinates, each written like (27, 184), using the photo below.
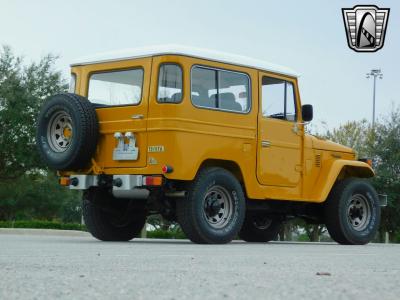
(213, 141)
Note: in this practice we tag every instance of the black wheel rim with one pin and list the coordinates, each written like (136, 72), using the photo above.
(218, 207)
(262, 222)
(359, 212)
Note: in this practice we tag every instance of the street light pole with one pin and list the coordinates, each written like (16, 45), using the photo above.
(375, 73)
(373, 105)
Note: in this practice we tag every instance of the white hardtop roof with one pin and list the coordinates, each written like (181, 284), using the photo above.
(185, 51)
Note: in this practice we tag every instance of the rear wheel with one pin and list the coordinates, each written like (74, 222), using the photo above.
(213, 211)
(259, 228)
(352, 212)
(111, 219)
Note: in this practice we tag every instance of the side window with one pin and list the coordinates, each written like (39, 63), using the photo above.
(290, 102)
(116, 88)
(204, 82)
(169, 84)
(219, 89)
(72, 83)
(278, 99)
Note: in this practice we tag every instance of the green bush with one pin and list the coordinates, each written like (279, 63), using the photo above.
(397, 238)
(303, 238)
(165, 234)
(39, 197)
(42, 225)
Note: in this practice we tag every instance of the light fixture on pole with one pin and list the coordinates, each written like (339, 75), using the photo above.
(375, 73)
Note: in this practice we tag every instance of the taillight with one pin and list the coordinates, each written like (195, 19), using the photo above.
(152, 180)
(64, 181)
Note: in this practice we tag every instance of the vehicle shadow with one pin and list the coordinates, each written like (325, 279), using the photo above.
(188, 242)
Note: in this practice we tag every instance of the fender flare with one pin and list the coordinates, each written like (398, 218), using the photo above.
(341, 169)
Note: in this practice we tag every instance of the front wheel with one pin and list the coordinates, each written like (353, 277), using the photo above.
(352, 212)
(111, 219)
(260, 228)
(214, 209)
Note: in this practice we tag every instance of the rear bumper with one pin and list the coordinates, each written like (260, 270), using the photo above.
(122, 186)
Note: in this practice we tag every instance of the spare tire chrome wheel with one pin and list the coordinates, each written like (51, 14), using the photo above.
(59, 131)
(67, 132)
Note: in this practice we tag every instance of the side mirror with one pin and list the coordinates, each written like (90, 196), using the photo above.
(307, 112)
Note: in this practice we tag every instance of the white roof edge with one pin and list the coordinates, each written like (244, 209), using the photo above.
(185, 51)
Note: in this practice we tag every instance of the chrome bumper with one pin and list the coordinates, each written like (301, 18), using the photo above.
(124, 186)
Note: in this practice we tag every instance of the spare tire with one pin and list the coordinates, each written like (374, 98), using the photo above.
(67, 132)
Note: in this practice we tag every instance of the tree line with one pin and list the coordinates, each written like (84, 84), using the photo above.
(28, 190)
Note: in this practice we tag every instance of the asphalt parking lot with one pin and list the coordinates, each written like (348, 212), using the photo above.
(76, 266)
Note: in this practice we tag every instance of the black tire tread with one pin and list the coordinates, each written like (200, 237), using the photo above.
(332, 205)
(332, 208)
(186, 208)
(250, 233)
(87, 141)
(98, 225)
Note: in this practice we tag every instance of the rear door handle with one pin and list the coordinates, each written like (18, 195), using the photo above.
(137, 117)
(265, 144)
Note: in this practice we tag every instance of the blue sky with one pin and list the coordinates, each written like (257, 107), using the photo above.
(307, 36)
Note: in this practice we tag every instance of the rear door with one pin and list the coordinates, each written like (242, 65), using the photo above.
(120, 92)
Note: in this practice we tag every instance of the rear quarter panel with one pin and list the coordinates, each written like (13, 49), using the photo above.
(189, 135)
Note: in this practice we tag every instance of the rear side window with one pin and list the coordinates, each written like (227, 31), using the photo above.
(169, 84)
(220, 89)
(72, 83)
(116, 88)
